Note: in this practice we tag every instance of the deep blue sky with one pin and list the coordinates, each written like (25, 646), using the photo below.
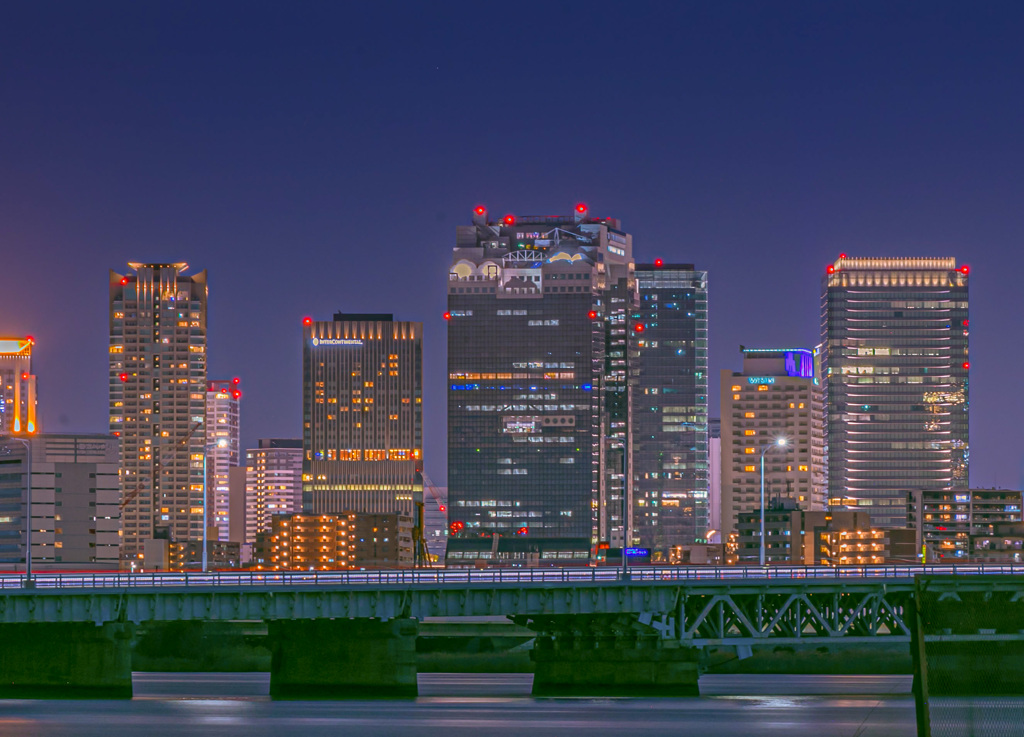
(318, 156)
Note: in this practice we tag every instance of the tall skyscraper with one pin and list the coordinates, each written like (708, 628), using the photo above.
(668, 368)
(362, 414)
(223, 401)
(895, 374)
(158, 401)
(534, 454)
(17, 386)
(776, 395)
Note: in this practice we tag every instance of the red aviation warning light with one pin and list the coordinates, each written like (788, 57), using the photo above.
(581, 208)
(842, 255)
(658, 263)
(965, 270)
(124, 280)
(509, 220)
(456, 526)
(307, 321)
(967, 365)
(447, 316)
(639, 327)
(830, 269)
(967, 323)
(124, 377)
(592, 314)
(236, 381)
(24, 376)
(523, 531)
(30, 339)
(237, 394)
(480, 210)
(443, 508)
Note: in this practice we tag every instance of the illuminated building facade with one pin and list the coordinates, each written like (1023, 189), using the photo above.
(335, 541)
(223, 401)
(895, 372)
(946, 521)
(158, 401)
(535, 472)
(668, 368)
(271, 484)
(17, 387)
(362, 415)
(776, 395)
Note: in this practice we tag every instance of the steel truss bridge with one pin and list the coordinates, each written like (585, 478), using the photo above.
(692, 606)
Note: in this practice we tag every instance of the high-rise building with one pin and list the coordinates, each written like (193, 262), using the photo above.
(271, 483)
(75, 495)
(336, 541)
(776, 395)
(223, 400)
(158, 401)
(895, 374)
(668, 368)
(362, 415)
(537, 400)
(17, 386)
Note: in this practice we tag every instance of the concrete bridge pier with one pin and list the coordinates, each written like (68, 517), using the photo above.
(599, 656)
(342, 658)
(66, 660)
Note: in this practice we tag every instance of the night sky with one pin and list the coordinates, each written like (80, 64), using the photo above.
(317, 156)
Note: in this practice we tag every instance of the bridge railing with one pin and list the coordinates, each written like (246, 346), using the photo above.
(490, 576)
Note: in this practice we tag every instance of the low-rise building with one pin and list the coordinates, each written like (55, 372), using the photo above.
(946, 521)
(336, 541)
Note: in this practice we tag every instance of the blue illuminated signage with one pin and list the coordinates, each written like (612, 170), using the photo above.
(760, 379)
(317, 342)
(637, 552)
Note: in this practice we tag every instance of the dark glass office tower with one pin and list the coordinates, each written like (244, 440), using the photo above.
(895, 372)
(527, 301)
(669, 368)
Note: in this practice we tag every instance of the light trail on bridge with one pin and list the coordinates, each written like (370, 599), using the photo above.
(464, 576)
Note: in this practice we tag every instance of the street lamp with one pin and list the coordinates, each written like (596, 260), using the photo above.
(777, 443)
(28, 583)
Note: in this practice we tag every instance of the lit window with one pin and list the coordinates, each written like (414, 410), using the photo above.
(750, 432)
(736, 388)
(748, 469)
(749, 451)
(748, 415)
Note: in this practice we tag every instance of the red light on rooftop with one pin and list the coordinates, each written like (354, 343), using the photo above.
(658, 263)
(967, 365)
(480, 210)
(236, 381)
(830, 269)
(124, 280)
(965, 269)
(592, 314)
(842, 255)
(124, 377)
(307, 321)
(639, 327)
(447, 316)
(24, 376)
(581, 207)
(30, 339)
(237, 394)
(510, 220)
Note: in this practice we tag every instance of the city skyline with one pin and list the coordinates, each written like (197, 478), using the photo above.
(759, 173)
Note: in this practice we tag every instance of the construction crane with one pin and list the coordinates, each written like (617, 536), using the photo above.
(131, 495)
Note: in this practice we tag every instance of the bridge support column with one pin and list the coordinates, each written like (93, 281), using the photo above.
(65, 661)
(342, 658)
(624, 663)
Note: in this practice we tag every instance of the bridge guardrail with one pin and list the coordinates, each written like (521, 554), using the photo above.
(490, 576)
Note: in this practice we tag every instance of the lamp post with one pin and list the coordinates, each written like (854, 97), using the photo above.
(777, 443)
(28, 582)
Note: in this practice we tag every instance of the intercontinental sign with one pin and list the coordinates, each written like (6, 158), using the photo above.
(317, 342)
